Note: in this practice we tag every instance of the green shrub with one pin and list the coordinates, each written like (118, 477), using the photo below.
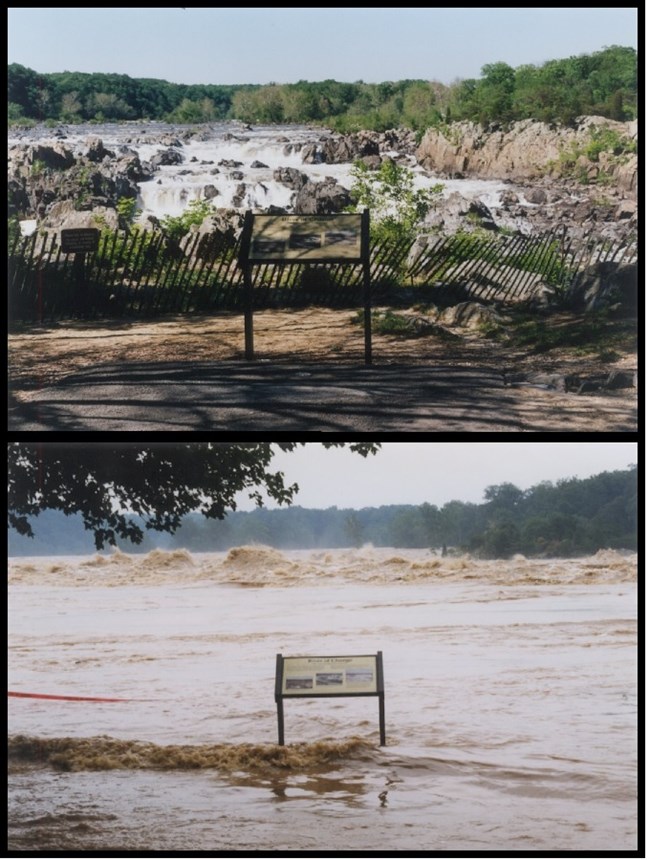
(38, 168)
(608, 140)
(127, 209)
(13, 229)
(177, 226)
(396, 208)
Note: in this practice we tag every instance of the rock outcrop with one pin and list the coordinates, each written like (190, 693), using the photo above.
(366, 146)
(43, 176)
(528, 150)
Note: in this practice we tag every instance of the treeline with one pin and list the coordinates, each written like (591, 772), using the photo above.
(603, 83)
(569, 518)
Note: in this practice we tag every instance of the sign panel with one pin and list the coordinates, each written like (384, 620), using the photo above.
(327, 676)
(79, 241)
(356, 675)
(306, 238)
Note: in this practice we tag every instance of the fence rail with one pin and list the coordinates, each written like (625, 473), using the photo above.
(146, 274)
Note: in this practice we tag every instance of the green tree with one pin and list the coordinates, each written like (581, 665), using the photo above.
(71, 106)
(194, 111)
(353, 529)
(453, 523)
(419, 105)
(23, 86)
(503, 496)
(602, 83)
(111, 484)
(494, 93)
(128, 211)
(108, 106)
(396, 207)
(500, 540)
(15, 111)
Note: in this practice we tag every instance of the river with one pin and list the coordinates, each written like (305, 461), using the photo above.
(226, 156)
(510, 701)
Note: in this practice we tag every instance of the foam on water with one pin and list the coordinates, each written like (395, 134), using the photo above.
(262, 566)
(104, 753)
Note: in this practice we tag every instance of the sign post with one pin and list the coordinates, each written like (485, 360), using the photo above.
(290, 239)
(79, 242)
(328, 677)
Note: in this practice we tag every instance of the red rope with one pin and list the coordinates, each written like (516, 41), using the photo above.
(70, 698)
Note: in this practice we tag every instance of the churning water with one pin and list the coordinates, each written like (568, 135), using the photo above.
(511, 703)
(238, 164)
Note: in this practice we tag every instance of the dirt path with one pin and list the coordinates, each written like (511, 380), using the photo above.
(40, 357)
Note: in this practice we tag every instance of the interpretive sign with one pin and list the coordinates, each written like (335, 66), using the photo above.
(79, 241)
(306, 238)
(356, 675)
(289, 240)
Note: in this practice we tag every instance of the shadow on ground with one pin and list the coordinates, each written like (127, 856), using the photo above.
(259, 397)
(262, 397)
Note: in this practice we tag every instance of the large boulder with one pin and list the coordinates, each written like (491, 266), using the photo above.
(165, 157)
(602, 285)
(209, 192)
(56, 157)
(63, 215)
(342, 148)
(126, 172)
(290, 177)
(322, 198)
(457, 212)
(312, 153)
(217, 231)
(96, 151)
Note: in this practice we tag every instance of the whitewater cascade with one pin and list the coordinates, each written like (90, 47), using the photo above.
(231, 165)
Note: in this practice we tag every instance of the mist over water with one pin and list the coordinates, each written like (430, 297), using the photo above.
(511, 702)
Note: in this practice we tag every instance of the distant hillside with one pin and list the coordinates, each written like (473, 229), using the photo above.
(571, 517)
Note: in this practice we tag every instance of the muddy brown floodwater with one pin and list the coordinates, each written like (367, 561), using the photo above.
(511, 703)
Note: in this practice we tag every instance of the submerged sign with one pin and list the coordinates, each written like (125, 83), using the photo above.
(323, 676)
(356, 675)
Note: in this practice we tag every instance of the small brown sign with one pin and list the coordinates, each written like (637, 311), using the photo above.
(79, 241)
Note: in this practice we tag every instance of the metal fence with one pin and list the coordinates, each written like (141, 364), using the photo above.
(141, 273)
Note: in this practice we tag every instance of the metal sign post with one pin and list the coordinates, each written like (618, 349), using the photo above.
(329, 677)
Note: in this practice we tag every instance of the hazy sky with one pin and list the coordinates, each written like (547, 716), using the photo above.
(437, 472)
(255, 45)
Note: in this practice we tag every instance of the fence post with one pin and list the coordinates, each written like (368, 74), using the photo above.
(248, 285)
(365, 253)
